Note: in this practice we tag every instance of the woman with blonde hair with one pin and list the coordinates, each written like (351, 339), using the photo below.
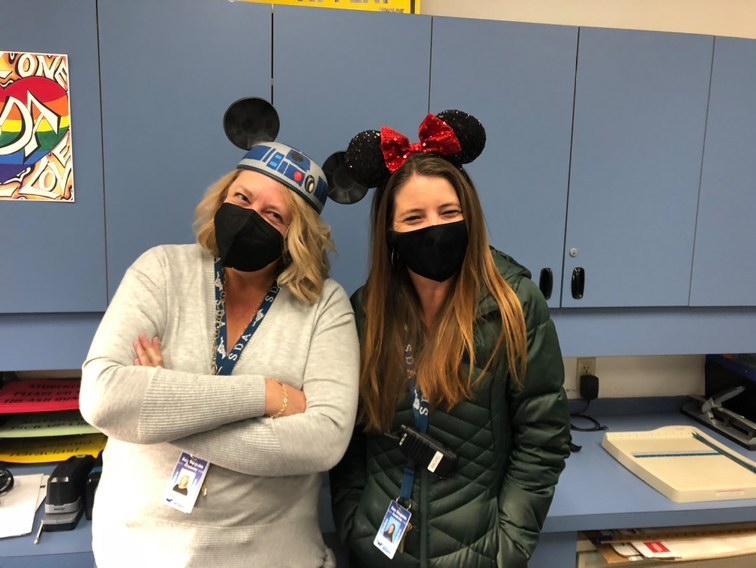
(462, 427)
(232, 363)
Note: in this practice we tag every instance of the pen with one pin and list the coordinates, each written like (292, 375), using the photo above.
(39, 532)
(737, 460)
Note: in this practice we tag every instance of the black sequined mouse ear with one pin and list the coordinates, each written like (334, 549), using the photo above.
(470, 133)
(250, 121)
(364, 159)
(342, 187)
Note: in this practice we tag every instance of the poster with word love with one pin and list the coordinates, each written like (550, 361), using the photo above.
(36, 158)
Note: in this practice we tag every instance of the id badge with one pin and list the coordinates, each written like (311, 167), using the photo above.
(185, 483)
(392, 529)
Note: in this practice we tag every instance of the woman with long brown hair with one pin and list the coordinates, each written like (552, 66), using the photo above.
(462, 427)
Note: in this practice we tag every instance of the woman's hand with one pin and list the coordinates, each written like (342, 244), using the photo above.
(149, 353)
(274, 399)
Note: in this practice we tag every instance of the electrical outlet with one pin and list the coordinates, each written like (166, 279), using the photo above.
(586, 366)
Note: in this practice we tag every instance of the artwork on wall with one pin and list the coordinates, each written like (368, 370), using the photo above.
(36, 159)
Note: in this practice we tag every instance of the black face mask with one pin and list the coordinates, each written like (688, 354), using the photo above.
(246, 241)
(435, 252)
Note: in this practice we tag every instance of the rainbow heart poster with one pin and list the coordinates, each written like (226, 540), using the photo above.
(36, 158)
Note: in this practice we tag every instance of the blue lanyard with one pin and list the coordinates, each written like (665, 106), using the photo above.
(225, 361)
(421, 412)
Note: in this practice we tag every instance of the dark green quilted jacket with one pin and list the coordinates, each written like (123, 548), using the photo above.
(511, 446)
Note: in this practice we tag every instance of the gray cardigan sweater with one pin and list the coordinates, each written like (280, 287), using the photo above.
(260, 507)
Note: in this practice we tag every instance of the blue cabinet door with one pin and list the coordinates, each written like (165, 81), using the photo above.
(724, 271)
(640, 110)
(52, 255)
(335, 74)
(169, 71)
(518, 80)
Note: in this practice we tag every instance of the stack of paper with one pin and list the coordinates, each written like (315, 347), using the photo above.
(20, 505)
(40, 422)
(44, 395)
(68, 423)
(710, 545)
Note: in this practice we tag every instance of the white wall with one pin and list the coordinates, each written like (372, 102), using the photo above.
(736, 18)
(625, 377)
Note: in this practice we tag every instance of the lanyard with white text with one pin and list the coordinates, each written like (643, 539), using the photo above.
(421, 412)
(225, 361)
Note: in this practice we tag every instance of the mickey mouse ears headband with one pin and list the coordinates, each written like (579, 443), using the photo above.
(252, 124)
(373, 155)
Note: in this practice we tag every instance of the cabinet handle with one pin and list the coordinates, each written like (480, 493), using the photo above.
(578, 282)
(546, 282)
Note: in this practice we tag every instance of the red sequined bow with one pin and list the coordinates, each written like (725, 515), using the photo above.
(436, 137)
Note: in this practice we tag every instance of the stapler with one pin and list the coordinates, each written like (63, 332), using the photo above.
(93, 479)
(710, 411)
(64, 502)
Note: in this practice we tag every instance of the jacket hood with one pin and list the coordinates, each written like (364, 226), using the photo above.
(508, 266)
(512, 271)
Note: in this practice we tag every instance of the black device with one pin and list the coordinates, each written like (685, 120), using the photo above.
(589, 387)
(729, 403)
(6, 480)
(93, 479)
(64, 502)
(425, 452)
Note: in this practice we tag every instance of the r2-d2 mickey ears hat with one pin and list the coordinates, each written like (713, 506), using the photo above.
(252, 124)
